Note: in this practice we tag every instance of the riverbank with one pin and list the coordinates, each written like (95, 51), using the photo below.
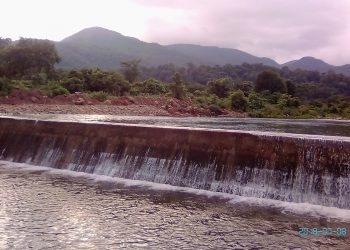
(34, 102)
(86, 109)
(103, 109)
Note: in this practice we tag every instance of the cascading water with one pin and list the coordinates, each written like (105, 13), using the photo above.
(288, 168)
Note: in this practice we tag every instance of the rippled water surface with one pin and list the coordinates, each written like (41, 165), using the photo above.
(295, 126)
(42, 209)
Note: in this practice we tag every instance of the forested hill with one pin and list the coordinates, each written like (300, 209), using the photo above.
(99, 47)
(311, 63)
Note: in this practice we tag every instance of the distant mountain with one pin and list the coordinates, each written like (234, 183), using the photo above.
(103, 48)
(345, 69)
(99, 47)
(308, 63)
(215, 55)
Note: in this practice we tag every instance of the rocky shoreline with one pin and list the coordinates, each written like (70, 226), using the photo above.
(34, 102)
(133, 110)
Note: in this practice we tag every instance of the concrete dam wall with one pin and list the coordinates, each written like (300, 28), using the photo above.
(287, 168)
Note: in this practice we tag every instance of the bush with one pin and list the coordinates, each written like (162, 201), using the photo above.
(99, 95)
(150, 86)
(74, 84)
(205, 100)
(178, 90)
(106, 81)
(221, 86)
(255, 101)
(215, 109)
(5, 86)
(53, 89)
(58, 90)
(239, 101)
(22, 84)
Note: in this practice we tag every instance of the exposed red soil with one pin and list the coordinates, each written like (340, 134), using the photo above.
(157, 105)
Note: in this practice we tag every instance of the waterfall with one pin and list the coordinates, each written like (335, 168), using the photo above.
(282, 167)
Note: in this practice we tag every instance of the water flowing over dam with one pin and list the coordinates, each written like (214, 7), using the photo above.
(296, 168)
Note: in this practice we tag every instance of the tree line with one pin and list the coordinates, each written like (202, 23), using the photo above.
(260, 90)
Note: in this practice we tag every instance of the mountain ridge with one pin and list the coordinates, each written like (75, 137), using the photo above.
(104, 48)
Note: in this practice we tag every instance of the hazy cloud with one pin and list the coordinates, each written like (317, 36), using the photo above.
(282, 30)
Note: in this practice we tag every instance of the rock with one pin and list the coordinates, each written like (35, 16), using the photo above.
(131, 99)
(107, 102)
(79, 101)
(34, 99)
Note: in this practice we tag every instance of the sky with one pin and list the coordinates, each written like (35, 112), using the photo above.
(283, 30)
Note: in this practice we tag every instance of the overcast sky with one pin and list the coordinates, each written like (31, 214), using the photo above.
(280, 29)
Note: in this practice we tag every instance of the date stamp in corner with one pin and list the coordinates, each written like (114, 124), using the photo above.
(323, 231)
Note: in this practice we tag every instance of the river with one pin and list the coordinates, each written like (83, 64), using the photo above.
(47, 208)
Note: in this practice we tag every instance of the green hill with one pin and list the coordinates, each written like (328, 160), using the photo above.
(99, 47)
(106, 49)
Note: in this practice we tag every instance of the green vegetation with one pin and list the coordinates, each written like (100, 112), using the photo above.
(270, 81)
(177, 88)
(99, 95)
(130, 70)
(259, 90)
(239, 101)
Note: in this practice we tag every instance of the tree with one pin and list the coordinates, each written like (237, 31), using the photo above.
(268, 80)
(29, 57)
(109, 82)
(178, 88)
(5, 42)
(74, 84)
(153, 87)
(221, 86)
(5, 86)
(130, 70)
(290, 87)
(239, 101)
(255, 101)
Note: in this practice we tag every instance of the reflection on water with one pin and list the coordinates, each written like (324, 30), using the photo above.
(302, 126)
(41, 210)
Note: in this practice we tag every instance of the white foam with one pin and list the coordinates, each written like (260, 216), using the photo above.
(285, 207)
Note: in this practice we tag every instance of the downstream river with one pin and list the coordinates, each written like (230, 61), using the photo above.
(43, 208)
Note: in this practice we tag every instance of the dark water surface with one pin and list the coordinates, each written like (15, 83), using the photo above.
(295, 126)
(42, 208)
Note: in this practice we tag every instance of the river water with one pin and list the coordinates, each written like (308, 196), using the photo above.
(42, 208)
(295, 126)
(46, 208)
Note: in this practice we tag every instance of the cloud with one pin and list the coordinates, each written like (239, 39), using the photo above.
(282, 30)
(279, 29)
